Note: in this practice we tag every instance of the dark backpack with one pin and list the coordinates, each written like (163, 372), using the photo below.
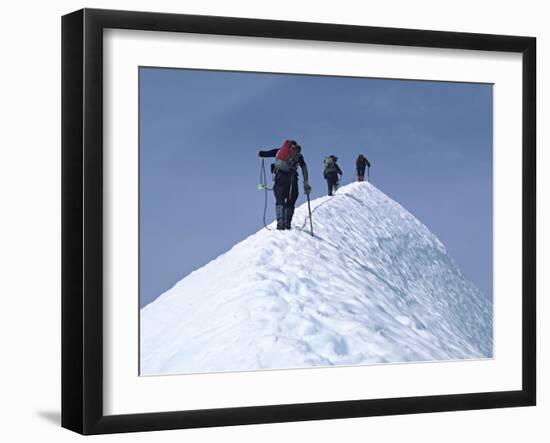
(362, 161)
(329, 165)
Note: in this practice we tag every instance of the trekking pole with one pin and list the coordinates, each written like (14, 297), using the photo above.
(309, 209)
(368, 174)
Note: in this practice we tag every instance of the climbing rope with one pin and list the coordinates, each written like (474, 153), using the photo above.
(263, 184)
(317, 207)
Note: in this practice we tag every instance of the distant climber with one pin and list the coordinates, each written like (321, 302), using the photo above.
(285, 188)
(331, 171)
(361, 163)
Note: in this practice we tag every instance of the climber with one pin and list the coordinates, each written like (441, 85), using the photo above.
(361, 163)
(331, 171)
(285, 188)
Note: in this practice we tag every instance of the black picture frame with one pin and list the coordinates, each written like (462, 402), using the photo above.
(82, 218)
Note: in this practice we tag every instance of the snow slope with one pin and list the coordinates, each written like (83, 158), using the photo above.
(374, 285)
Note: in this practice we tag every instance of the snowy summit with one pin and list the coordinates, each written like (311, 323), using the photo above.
(373, 285)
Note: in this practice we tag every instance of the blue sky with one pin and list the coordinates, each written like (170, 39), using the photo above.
(430, 145)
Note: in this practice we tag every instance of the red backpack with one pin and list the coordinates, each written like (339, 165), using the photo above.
(284, 160)
(284, 153)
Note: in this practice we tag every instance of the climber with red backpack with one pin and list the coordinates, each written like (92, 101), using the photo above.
(285, 188)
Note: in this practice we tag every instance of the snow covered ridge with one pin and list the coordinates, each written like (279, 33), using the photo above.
(373, 286)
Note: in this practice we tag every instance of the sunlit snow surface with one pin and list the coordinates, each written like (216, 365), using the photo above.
(373, 285)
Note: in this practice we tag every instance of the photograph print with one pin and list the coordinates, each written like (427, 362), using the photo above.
(291, 221)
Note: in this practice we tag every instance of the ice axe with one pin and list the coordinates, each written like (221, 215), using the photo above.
(309, 209)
